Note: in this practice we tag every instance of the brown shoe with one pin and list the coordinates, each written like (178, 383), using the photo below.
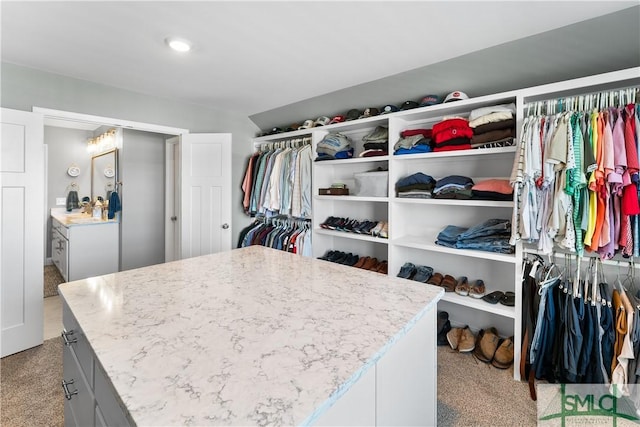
(467, 341)
(448, 283)
(504, 354)
(488, 345)
(383, 267)
(361, 262)
(371, 262)
(453, 336)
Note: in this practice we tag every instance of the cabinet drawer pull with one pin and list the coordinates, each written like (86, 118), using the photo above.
(65, 386)
(65, 336)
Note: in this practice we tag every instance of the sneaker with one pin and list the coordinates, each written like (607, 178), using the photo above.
(453, 337)
(467, 340)
(384, 231)
(477, 289)
(503, 357)
(462, 287)
(375, 231)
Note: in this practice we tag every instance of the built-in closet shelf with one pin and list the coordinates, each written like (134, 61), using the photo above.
(425, 243)
(479, 304)
(460, 153)
(455, 202)
(347, 235)
(352, 161)
(353, 198)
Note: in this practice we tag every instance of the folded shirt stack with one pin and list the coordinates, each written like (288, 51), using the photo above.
(493, 126)
(491, 235)
(334, 146)
(493, 189)
(376, 142)
(453, 187)
(414, 141)
(418, 185)
(452, 134)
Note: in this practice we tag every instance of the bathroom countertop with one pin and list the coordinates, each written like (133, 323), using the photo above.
(77, 218)
(252, 336)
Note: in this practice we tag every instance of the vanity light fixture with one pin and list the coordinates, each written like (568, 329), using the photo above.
(101, 143)
(178, 44)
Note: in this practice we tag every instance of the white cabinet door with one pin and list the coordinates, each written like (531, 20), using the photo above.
(22, 215)
(205, 220)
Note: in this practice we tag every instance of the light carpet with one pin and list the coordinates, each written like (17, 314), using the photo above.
(52, 278)
(31, 392)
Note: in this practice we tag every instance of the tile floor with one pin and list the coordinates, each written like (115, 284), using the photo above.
(52, 317)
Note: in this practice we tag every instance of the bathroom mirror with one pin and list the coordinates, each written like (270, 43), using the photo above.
(104, 174)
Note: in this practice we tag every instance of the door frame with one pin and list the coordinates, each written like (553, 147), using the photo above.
(172, 198)
(53, 115)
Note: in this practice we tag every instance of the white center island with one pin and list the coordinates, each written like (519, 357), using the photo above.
(252, 336)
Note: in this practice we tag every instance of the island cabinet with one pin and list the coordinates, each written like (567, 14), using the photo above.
(253, 336)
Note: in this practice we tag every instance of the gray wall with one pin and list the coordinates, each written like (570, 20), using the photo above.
(65, 147)
(23, 88)
(603, 44)
(142, 164)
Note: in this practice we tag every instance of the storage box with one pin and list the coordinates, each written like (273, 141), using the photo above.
(372, 184)
(333, 191)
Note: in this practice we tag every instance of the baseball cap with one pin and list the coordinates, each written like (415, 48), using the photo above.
(322, 120)
(292, 127)
(275, 130)
(307, 124)
(456, 96)
(408, 105)
(430, 100)
(370, 112)
(337, 119)
(389, 109)
(353, 114)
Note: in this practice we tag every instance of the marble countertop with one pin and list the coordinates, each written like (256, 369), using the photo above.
(77, 218)
(252, 336)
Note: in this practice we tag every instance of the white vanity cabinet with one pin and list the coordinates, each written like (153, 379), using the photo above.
(81, 250)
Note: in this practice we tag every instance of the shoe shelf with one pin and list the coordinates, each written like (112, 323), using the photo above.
(479, 304)
(425, 243)
(348, 235)
(455, 202)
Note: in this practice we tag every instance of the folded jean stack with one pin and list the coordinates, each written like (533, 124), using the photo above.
(417, 185)
(413, 141)
(452, 134)
(376, 143)
(334, 146)
(453, 187)
(493, 126)
(491, 235)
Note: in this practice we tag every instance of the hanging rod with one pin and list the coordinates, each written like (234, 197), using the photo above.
(588, 101)
(286, 143)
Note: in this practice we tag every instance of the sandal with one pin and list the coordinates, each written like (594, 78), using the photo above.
(448, 283)
(493, 297)
(508, 299)
(477, 289)
(435, 280)
(462, 288)
(423, 273)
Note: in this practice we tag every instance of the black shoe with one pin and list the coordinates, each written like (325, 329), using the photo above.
(442, 335)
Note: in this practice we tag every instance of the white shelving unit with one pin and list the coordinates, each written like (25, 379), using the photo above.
(415, 223)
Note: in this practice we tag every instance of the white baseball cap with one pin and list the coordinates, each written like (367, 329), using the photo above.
(456, 96)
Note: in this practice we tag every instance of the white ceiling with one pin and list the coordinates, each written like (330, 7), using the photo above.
(256, 56)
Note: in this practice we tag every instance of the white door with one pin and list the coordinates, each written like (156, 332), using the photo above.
(172, 200)
(22, 217)
(205, 190)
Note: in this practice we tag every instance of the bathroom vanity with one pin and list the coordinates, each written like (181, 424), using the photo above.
(82, 246)
(252, 336)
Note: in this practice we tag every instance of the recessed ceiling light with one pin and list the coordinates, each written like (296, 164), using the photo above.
(178, 44)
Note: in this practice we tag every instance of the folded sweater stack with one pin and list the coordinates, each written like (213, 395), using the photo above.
(452, 134)
(453, 187)
(493, 126)
(418, 185)
(413, 141)
(376, 143)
